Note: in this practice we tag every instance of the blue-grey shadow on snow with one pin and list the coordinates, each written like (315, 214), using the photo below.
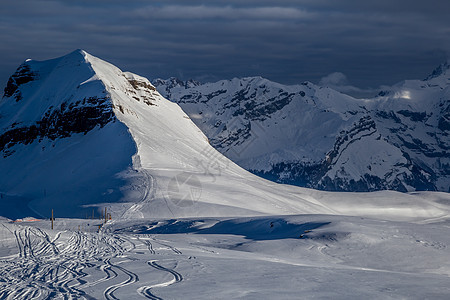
(15, 207)
(261, 228)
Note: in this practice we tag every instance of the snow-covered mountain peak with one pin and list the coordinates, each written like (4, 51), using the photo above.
(38, 87)
(59, 116)
(69, 80)
(173, 83)
(441, 70)
(424, 96)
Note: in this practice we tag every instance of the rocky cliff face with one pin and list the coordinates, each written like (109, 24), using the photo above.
(315, 137)
(77, 117)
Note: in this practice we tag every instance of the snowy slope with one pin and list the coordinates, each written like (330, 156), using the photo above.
(270, 257)
(78, 133)
(316, 137)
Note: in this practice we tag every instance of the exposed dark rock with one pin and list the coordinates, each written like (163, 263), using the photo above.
(388, 115)
(61, 122)
(364, 127)
(237, 136)
(137, 84)
(368, 183)
(383, 93)
(215, 94)
(21, 76)
(439, 71)
(444, 120)
(253, 110)
(313, 176)
(294, 173)
(414, 116)
(444, 123)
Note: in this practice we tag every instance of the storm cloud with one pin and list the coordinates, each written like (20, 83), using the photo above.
(373, 44)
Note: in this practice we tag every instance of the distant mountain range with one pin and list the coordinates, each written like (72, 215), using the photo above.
(316, 137)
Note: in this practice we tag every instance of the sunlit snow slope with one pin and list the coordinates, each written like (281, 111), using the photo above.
(77, 133)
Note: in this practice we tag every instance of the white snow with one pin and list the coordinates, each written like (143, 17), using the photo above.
(186, 221)
(306, 256)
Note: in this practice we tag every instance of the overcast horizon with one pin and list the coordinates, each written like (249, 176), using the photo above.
(355, 47)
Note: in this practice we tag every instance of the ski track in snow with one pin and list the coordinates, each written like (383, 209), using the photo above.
(146, 290)
(132, 278)
(44, 269)
(148, 244)
(119, 263)
(148, 194)
(175, 250)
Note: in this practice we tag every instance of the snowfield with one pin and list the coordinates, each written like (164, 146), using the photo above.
(273, 257)
(78, 135)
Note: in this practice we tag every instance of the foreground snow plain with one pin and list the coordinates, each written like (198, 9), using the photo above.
(268, 257)
(192, 224)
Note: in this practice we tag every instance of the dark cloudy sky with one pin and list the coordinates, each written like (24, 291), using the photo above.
(364, 44)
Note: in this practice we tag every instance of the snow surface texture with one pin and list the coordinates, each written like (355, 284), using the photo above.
(276, 257)
(77, 134)
(316, 137)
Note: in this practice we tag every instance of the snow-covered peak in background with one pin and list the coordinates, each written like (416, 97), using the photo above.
(172, 83)
(317, 137)
(259, 89)
(440, 71)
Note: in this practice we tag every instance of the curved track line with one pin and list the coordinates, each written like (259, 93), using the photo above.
(175, 250)
(146, 290)
(132, 278)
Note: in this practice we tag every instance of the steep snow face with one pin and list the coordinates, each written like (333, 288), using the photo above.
(316, 137)
(61, 145)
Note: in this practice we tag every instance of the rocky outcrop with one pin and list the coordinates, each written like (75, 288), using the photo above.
(21, 76)
(77, 117)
